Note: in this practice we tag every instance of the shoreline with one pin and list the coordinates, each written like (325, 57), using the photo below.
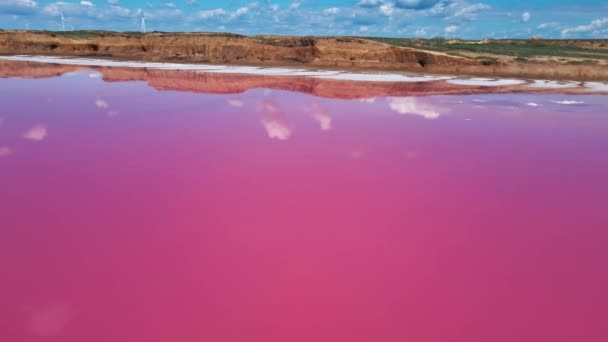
(323, 83)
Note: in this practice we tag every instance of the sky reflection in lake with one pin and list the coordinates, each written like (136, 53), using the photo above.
(133, 214)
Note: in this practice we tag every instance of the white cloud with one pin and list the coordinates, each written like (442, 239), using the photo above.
(451, 29)
(464, 11)
(20, 3)
(87, 3)
(525, 17)
(547, 26)
(113, 2)
(413, 106)
(369, 3)
(206, 14)
(332, 10)
(591, 27)
(169, 5)
(240, 11)
(387, 9)
(36, 133)
(295, 5)
(192, 3)
(421, 33)
(363, 28)
(416, 4)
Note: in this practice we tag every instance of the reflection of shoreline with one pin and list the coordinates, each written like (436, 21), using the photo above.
(229, 83)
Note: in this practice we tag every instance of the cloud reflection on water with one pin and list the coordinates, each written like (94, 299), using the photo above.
(50, 320)
(37, 133)
(415, 106)
(237, 103)
(102, 104)
(274, 120)
(320, 114)
(5, 151)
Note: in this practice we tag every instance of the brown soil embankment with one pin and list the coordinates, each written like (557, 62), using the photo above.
(328, 52)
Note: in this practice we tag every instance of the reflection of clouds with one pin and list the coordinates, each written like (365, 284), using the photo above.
(532, 104)
(238, 103)
(414, 106)
(5, 151)
(50, 320)
(36, 133)
(359, 152)
(568, 102)
(319, 113)
(410, 154)
(94, 75)
(1, 122)
(102, 104)
(274, 120)
(267, 92)
(370, 100)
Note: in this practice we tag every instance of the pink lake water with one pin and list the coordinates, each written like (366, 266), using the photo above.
(133, 214)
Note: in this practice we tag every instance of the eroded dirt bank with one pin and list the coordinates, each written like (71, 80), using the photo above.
(330, 52)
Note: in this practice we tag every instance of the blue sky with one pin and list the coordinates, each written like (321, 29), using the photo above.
(393, 18)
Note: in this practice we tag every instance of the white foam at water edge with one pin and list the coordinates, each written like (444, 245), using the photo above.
(553, 84)
(533, 104)
(228, 69)
(596, 86)
(488, 82)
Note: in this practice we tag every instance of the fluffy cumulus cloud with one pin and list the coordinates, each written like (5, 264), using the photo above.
(596, 28)
(401, 18)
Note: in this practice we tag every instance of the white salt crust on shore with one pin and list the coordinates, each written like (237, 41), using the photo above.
(338, 75)
(592, 87)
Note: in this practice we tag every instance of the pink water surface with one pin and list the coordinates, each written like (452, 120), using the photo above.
(131, 214)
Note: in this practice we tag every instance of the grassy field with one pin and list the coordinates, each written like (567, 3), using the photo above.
(517, 48)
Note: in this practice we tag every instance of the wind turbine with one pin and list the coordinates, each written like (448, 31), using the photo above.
(63, 20)
(143, 22)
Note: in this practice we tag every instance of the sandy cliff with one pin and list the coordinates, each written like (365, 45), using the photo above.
(328, 52)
